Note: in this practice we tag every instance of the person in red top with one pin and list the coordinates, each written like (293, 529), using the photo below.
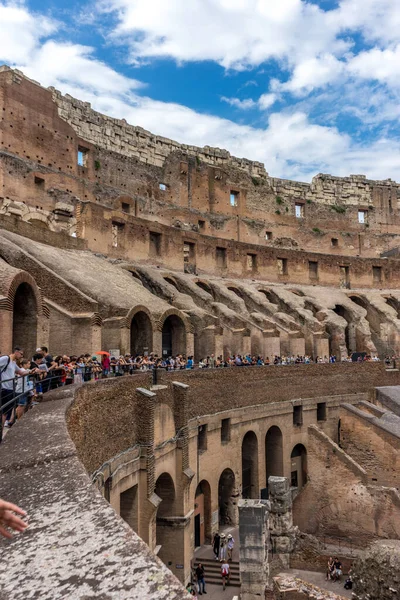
(105, 365)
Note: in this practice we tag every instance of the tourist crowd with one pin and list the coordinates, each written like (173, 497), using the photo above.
(28, 378)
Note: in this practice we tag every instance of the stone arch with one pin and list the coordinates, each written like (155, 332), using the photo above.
(202, 514)
(171, 281)
(250, 486)
(236, 291)
(25, 301)
(273, 453)
(298, 470)
(135, 275)
(165, 490)
(393, 303)
(39, 219)
(350, 328)
(227, 498)
(270, 296)
(205, 287)
(141, 326)
(174, 327)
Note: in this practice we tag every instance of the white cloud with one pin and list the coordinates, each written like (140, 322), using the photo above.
(20, 32)
(382, 65)
(265, 101)
(314, 73)
(241, 104)
(377, 20)
(235, 34)
(58, 64)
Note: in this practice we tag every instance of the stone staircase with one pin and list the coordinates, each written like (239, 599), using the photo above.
(212, 569)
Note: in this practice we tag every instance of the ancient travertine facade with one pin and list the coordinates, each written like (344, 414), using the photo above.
(114, 238)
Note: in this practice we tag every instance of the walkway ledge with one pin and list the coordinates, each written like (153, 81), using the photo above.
(76, 546)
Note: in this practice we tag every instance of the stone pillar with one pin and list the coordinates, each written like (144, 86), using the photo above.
(157, 342)
(283, 533)
(297, 345)
(148, 502)
(271, 345)
(6, 331)
(125, 343)
(189, 344)
(321, 346)
(253, 549)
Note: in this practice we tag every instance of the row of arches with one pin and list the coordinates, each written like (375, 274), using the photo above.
(141, 335)
(228, 487)
(273, 462)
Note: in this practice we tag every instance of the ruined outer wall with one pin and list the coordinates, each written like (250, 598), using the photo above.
(41, 131)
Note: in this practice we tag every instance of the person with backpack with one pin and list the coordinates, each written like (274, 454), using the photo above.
(225, 574)
(8, 371)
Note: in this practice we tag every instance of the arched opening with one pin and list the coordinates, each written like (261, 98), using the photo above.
(308, 305)
(141, 334)
(128, 502)
(202, 514)
(394, 303)
(270, 296)
(236, 291)
(25, 320)
(165, 490)
(136, 275)
(173, 336)
(205, 287)
(375, 320)
(298, 471)
(273, 453)
(39, 224)
(250, 488)
(171, 282)
(350, 329)
(298, 292)
(227, 498)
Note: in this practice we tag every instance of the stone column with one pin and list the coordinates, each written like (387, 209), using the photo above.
(253, 549)
(148, 502)
(283, 533)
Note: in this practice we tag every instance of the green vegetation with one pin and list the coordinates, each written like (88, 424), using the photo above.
(198, 161)
(308, 201)
(279, 200)
(317, 230)
(338, 209)
(97, 165)
(255, 181)
(277, 212)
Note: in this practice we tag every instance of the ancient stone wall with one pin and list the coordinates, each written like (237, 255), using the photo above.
(134, 172)
(339, 502)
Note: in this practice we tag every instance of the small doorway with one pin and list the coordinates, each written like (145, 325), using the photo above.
(197, 537)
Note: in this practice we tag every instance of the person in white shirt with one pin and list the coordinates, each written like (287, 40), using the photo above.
(8, 371)
(225, 574)
(230, 545)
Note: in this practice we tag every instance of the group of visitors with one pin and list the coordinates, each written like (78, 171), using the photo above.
(222, 546)
(334, 570)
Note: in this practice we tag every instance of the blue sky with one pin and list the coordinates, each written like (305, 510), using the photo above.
(304, 87)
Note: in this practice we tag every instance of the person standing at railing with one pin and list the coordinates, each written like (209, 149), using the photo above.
(24, 388)
(8, 371)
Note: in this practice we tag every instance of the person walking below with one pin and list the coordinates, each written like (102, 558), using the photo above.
(201, 584)
(230, 545)
(222, 548)
(225, 574)
(216, 543)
